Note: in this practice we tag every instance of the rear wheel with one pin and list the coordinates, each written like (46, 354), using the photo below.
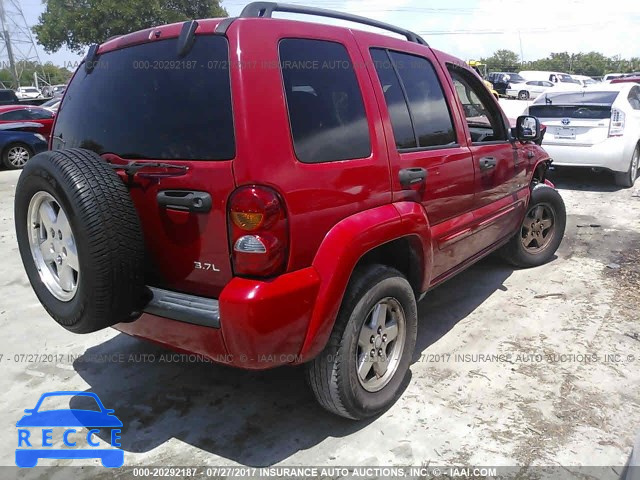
(628, 179)
(361, 370)
(523, 95)
(541, 231)
(80, 240)
(16, 156)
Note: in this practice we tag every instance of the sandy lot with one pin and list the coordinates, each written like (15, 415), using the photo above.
(513, 367)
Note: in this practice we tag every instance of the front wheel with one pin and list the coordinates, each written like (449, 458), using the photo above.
(541, 231)
(361, 370)
(628, 179)
(523, 95)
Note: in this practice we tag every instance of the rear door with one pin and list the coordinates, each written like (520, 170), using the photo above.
(144, 104)
(422, 138)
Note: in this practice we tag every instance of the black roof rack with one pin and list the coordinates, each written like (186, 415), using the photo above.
(266, 9)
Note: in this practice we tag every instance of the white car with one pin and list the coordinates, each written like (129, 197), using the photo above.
(28, 92)
(527, 90)
(584, 80)
(596, 126)
(53, 104)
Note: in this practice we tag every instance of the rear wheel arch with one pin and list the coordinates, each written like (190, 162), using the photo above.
(336, 262)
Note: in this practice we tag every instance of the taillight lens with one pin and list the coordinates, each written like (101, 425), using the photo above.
(258, 232)
(616, 126)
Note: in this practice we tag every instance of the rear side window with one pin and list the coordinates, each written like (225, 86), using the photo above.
(326, 111)
(7, 95)
(634, 98)
(145, 102)
(16, 115)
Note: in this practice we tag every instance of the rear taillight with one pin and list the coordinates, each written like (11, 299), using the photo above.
(616, 126)
(258, 232)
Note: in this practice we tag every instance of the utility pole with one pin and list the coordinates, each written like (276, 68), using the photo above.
(7, 42)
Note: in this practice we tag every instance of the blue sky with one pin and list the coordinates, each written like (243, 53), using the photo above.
(474, 28)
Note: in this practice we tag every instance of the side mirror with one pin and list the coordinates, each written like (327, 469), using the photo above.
(528, 129)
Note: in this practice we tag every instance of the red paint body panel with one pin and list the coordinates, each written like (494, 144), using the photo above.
(336, 211)
(47, 123)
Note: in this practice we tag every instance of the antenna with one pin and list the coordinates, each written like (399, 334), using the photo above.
(17, 44)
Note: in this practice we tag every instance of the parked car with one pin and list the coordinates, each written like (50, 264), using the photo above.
(53, 90)
(52, 104)
(18, 144)
(629, 79)
(527, 90)
(8, 97)
(612, 76)
(553, 77)
(297, 222)
(500, 80)
(28, 113)
(598, 126)
(584, 80)
(28, 92)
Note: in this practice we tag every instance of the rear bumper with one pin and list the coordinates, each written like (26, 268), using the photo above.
(255, 324)
(610, 154)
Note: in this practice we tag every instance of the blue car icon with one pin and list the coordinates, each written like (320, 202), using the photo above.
(68, 418)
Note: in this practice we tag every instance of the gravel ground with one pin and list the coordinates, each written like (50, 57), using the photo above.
(513, 367)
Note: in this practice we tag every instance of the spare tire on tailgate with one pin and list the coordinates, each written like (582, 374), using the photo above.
(80, 240)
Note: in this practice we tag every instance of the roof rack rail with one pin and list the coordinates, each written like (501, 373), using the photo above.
(266, 9)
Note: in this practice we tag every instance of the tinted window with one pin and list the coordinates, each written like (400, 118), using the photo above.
(429, 111)
(128, 107)
(634, 98)
(326, 111)
(483, 117)
(515, 78)
(574, 98)
(396, 102)
(16, 115)
(40, 114)
(7, 95)
(576, 111)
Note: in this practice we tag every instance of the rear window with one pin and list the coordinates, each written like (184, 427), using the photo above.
(577, 98)
(515, 78)
(145, 102)
(598, 112)
(7, 95)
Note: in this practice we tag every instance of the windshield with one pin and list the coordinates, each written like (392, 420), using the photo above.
(577, 98)
(143, 102)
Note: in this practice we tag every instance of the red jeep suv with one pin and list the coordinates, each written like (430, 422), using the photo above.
(263, 192)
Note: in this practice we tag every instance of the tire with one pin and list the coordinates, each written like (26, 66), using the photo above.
(16, 155)
(91, 274)
(523, 95)
(541, 248)
(628, 179)
(333, 375)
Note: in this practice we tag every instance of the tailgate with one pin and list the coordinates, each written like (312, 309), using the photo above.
(142, 104)
(580, 125)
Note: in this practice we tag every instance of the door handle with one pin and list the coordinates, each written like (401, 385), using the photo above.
(487, 163)
(411, 176)
(186, 200)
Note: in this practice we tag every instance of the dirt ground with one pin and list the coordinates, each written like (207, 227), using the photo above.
(512, 367)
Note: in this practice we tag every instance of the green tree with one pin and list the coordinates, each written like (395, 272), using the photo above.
(78, 23)
(503, 60)
(48, 72)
